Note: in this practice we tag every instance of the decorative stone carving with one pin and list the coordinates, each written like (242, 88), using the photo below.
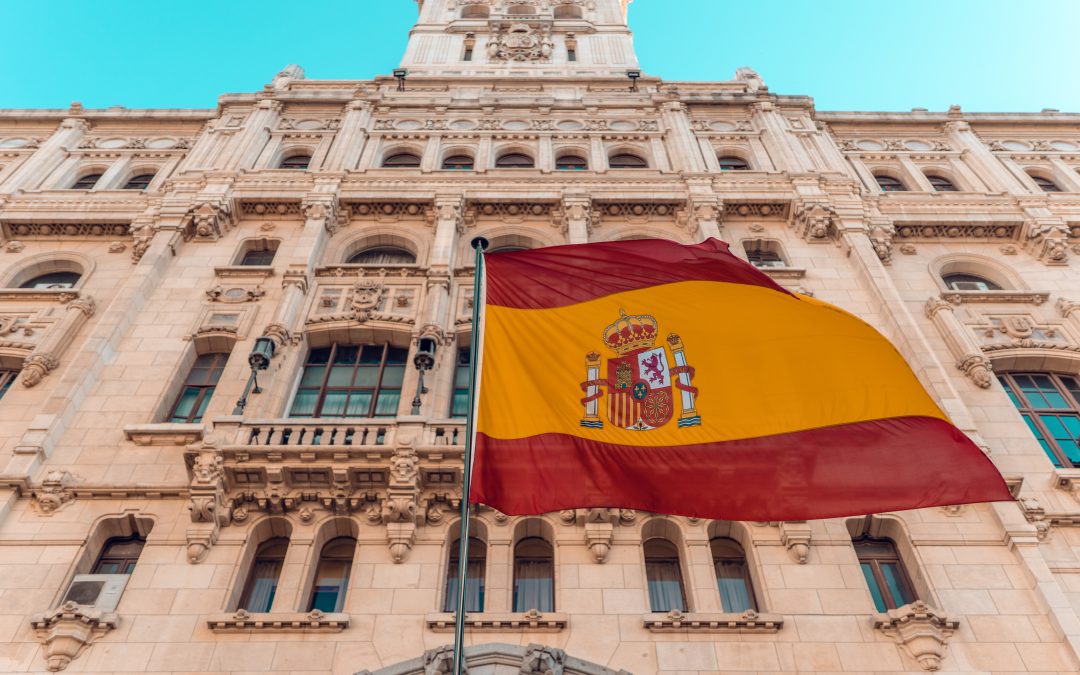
(439, 661)
(209, 220)
(795, 536)
(881, 238)
(401, 508)
(814, 220)
(368, 294)
(36, 367)
(575, 215)
(600, 531)
(969, 355)
(324, 208)
(234, 295)
(1048, 240)
(747, 622)
(521, 41)
(908, 249)
(921, 631)
(702, 214)
(14, 247)
(541, 660)
(209, 509)
(54, 492)
(68, 630)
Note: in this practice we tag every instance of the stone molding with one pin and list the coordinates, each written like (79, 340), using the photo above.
(164, 433)
(921, 631)
(498, 659)
(748, 621)
(532, 621)
(68, 630)
(279, 622)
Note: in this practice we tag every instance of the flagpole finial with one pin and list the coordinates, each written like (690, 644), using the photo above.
(480, 243)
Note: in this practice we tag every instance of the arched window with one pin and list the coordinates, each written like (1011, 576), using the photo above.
(567, 12)
(764, 254)
(198, 388)
(732, 575)
(139, 182)
(262, 579)
(534, 575)
(351, 381)
(459, 402)
(87, 182)
(1050, 405)
(332, 575)
(518, 10)
(474, 585)
(627, 161)
(53, 280)
(259, 252)
(402, 160)
(1045, 184)
(514, 160)
(382, 255)
(475, 12)
(119, 555)
(968, 282)
(297, 162)
(890, 184)
(7, 378)
(664, 576)
(458, 163)
(571, 163)
(941, 184)
(732, 163)
(884, 572)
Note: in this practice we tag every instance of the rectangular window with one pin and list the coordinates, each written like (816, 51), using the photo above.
(571, 55)
(884, 573)
(198, 388)
(665, 585)
(258, 258)
(468, 54)
(1050, 406)
(7, 377)
(351, 381)
(459, 404)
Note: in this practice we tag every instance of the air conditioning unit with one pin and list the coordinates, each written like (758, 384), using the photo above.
(100, 591)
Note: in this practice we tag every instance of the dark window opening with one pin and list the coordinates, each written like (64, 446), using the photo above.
(296, 162)
(941, 184)
(459, 402)
(382, 255)
(968, 282)
(198, 388)
(729, 163)
(1045, 184)
(890, 184)
(884, 573)
(119, 555)
(262, 583)
(627, 161)
(351, 381)
(258, 257)
(732, 576)
(571, 163)
(332, 575)
(87, 182)
(7, 378)
(514, 160)
(458, 163)
(53, 280)
(1050, 406)
(140, 182)
(402, 160)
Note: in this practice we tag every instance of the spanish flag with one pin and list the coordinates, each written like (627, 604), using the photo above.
(681, 380)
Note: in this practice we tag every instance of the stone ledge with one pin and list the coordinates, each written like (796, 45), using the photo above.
(164, 433)
(283, 622)
(1016, 297)
(749, 621)
(245, 271)
(490, 621)
(784, 272)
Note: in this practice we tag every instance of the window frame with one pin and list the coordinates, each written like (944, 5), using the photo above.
(875, 560)
(262, 556)
(732, 163)
(58, 285)
(733, 557)
(570, 162)
(454, 163)
(940, 182)
(516, 559)
(381, 247)
(673, 561)
(955, 278)
(125, 562)
(7, 378)
(453, 573)
(79, 182)
(501, 159)
(1033, 415)
(376, 390)
(1045, 184)
(143, 185)
(621, 161)
(343, 586)
(461, 364)
(890, 184)
(390, 161)
(206, 391)
(284, 163)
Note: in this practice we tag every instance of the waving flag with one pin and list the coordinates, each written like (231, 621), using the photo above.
(680, 379)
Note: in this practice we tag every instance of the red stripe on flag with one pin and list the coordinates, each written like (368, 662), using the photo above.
(557, 276)
(852, 469)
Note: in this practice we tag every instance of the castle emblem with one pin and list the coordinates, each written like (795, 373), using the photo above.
(642, 382)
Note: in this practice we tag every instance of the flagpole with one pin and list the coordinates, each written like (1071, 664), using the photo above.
(479, 244)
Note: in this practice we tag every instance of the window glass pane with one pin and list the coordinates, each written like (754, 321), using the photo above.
(185, 404)
(1009, 391)
(313, 376)
(208, 392)
(735, 594)
(387, 404)
(334, 404)
(360, 404)
(1042, 441)
(367, 376)
(474, 602)
(875, 590)
(346, 354)
(894, 580)
(534, 586)
(263, 586)
(665, 585)
(321, 355)
(397, 356)
(105, 567)
(329, 588)
(340, 376)
(371, 355)
(393, 376)
(460, 405)
(304, 403)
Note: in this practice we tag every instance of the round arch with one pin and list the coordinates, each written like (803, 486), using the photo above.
(49, 263)
(977, 265)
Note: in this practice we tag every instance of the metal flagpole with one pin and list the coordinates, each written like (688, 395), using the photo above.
(479, 244)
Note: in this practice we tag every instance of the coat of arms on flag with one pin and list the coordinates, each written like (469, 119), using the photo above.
(639, 379)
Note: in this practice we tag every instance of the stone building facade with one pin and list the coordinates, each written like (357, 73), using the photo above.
(320, 230)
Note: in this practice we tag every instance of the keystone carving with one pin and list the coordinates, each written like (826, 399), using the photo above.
(703, 215)
(368, 294)
(68, 630)
(209, 509)
(54, 492)
(600, 531)
(1048, 240)
(815, 221)
(574, 215)
(209, 220)
(401, 508)
(324, 208)
(541, 660)
(795, 536)
(920, 630)
(881, 238)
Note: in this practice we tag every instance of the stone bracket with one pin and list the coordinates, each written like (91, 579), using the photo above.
(921, 631)
(68, 630)
(795, 536)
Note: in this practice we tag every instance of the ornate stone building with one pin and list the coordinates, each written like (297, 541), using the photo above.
(315, 233)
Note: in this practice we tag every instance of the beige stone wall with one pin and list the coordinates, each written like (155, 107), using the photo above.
(86, 451)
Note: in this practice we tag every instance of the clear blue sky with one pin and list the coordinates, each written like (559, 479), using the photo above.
(998, 55)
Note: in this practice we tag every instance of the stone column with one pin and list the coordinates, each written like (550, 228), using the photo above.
(449, 217)
(681, 143)
(49, 155)
(575, 218)
(352, 136)
(786, 152)
(46, 357)
(987, 166)
(961, 342)
(252, 138)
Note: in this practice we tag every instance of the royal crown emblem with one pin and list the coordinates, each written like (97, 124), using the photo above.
(640, 379)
